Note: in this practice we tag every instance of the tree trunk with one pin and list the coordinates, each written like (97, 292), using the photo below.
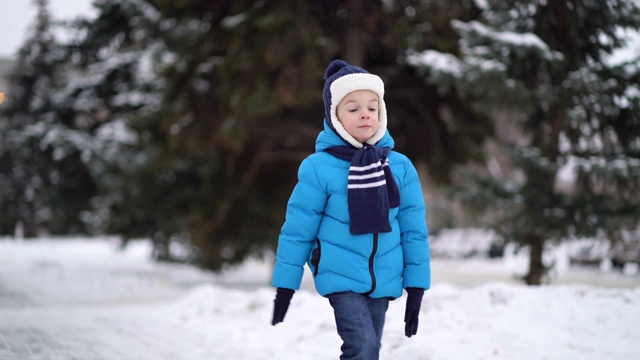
(30, 225)
(161, 250)
(354, 52)
(537, 269)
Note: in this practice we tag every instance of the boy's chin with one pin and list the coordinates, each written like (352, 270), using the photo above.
(363, 140)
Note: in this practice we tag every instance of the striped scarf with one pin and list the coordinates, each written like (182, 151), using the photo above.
(372, 189)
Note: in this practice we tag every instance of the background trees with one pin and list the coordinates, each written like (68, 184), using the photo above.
(45, 184)
(186, 121)
(544, 69)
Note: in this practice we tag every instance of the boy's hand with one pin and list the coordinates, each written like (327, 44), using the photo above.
(414, 301)
(281, 304)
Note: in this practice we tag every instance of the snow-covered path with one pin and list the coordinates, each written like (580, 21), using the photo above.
(79, 299)
(87, 300)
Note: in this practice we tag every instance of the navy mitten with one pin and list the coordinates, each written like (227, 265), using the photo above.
(414, 300)
(281, 304)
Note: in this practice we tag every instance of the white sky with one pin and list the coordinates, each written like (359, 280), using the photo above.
(17, 15)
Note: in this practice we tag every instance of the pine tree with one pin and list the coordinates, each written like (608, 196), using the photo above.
(542, 68)
(118, 57)
(195, 71)
(230, 104)
(243, 108)
(46, 186)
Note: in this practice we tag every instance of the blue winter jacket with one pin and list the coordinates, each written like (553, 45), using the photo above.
(316, 231)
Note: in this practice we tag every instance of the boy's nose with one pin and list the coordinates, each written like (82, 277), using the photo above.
(364, 116)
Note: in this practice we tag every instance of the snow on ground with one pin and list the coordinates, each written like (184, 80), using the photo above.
(88, 299)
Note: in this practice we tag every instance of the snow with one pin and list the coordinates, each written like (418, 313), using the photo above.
(504, 40)
(94, 298)
(438, 62)
(458, 243)
(628, 53)
(231, 22)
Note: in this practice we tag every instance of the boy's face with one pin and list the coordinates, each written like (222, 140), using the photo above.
(358, 113)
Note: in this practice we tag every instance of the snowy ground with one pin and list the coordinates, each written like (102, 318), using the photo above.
(80, 299)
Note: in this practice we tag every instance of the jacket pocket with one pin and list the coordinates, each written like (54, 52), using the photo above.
(315, 257)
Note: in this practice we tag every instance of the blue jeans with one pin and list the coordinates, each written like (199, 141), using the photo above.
(359, 320)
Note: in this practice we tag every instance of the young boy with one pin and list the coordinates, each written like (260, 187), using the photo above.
(357, 217)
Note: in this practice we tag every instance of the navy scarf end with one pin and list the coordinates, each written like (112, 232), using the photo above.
(382, 228)
(372, 188)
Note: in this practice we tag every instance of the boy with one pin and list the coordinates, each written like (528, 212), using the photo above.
(357, 217)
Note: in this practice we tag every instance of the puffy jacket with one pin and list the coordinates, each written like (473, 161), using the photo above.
(316, 231)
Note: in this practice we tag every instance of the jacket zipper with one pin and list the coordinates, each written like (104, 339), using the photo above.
(371, 272)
